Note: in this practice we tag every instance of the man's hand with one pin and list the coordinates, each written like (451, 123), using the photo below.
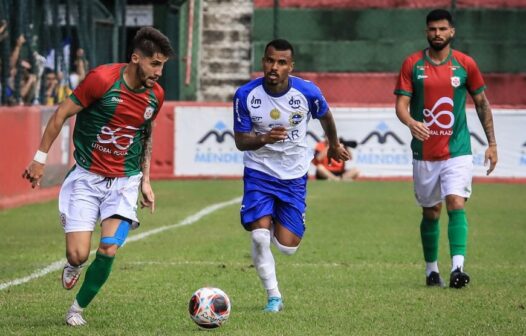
(276, 134)
(491, 157)
(148, 197)
(418, 130)
(339, 153)
(34, 173)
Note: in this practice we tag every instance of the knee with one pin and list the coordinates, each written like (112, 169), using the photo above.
(287, 250)
(433, 212)
(261, 237)
(108, 249)
(76, 257)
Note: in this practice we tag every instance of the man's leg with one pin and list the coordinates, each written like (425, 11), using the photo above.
(262, 256)
(77, 252)
(113, 235)
(458, 236)
(430, 236)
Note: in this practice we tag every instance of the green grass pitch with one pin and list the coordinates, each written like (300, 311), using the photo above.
(359, 270)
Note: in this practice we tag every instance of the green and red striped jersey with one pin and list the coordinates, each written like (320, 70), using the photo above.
(438, 99)
(110, 130)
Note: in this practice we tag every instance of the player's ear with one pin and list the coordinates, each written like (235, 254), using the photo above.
(291, 66)
(135, 58)
(453, 32)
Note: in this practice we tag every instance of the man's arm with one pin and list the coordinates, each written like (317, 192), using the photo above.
(148, 197)
(486, 119)
(418, 129)
(35, 170)
(252, 141)
(336, 150)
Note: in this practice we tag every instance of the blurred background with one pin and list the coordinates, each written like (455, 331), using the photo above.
(352, 49)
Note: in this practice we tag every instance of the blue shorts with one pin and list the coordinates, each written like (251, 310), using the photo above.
(266, 195)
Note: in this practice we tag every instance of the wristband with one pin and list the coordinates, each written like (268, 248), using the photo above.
(40, 157)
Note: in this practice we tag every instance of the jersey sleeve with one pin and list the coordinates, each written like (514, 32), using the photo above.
(475, 82)
(404, 84)
(242, 121)
(317, 103)
(159, 94)
(90, 89)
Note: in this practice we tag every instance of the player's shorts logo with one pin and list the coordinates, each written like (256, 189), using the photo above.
(442, 118)
(148, 113)
(455, 81)
(274, 114)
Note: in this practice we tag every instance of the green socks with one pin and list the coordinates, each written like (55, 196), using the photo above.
(430, 233)
(457, 232)
(96, 275)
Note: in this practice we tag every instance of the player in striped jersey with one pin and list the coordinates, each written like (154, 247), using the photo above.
(114, 106)
(431, 96)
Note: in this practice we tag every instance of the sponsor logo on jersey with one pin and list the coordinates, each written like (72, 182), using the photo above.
(148, 113)
(447, 118)
(296, 118)
(294, 103)
(275, 114)
(421, 76)
(455, 81)
(116, 100)
(255, 102)
(115, 137)
(256, 119)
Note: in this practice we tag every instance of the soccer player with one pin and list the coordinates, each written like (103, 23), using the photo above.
(270, 123)
(115, 106)
(431, 97)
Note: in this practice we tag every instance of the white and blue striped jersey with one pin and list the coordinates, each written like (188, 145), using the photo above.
(257, 110)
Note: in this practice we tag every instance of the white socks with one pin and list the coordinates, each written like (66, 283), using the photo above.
(431, 267)
(264, 261)
(457, 262)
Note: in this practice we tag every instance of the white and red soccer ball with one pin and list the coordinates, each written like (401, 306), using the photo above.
(209, 307)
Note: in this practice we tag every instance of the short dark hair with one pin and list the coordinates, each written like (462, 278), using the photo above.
(439, 14)
(149, 41)
(281, 45)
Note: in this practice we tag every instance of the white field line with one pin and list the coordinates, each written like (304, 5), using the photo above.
(187, 221)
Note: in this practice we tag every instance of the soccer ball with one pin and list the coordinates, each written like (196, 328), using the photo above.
(209, 307)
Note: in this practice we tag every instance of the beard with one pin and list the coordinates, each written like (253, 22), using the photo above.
(143, 79)
(438, 45)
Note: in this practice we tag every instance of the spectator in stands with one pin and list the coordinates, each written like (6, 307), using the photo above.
(56, 90)
(81, 67)
(331, 170)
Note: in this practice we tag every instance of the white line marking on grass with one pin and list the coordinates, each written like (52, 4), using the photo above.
(187, 221)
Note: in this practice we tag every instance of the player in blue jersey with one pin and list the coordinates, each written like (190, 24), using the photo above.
(270, 123)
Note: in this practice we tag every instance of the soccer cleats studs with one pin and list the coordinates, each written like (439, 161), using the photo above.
(458, 278)
(70, 276)
(434, 279)
(274, 305)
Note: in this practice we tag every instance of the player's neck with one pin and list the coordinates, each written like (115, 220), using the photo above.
(130, 77)
(438, 56)
(278, 88)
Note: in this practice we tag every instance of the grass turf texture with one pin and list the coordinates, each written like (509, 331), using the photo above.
(358, 271)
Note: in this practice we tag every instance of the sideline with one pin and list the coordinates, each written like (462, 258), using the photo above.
(55, 266)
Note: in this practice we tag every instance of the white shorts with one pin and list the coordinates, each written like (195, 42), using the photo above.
(86, 197)
(434, 180)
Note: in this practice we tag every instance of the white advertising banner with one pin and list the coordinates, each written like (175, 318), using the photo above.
(204, 141)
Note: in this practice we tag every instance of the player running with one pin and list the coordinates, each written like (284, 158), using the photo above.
(115, 106)
(270, 123)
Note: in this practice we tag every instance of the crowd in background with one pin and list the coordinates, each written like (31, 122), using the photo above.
(39, 82)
